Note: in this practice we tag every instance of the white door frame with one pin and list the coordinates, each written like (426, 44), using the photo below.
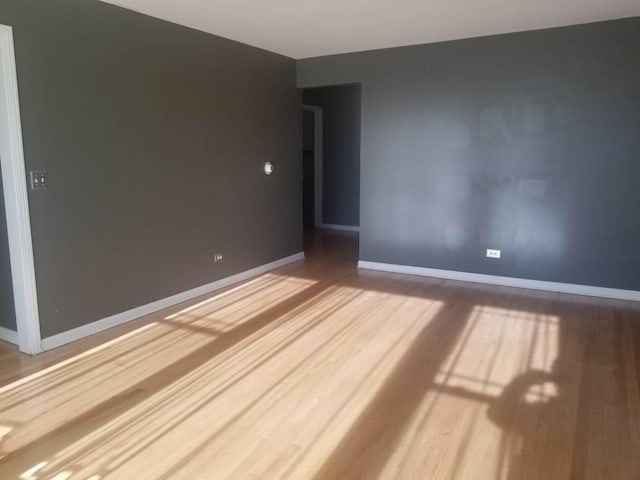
(317, 162)
(14, 181)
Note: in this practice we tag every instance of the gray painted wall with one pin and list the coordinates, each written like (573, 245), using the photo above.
(154, 137)
(527, 142)
(7, 311)
(341, 151)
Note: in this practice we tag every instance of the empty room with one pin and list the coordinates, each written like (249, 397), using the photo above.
(336, 240)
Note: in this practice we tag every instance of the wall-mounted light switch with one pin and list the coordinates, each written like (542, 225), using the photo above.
(493, 253)
(39, 179)
(218, 257)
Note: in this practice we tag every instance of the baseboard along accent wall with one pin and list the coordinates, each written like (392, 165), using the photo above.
(8, 335)
(120, 318)
(569, 288)
(344, 228)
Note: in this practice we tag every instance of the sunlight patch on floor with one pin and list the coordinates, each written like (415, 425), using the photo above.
(303, 366)
(31, 473)
(470, 387)
(301, 374)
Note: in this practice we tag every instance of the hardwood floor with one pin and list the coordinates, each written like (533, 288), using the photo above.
(317, 371)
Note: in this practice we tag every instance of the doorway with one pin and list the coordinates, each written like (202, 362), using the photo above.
(312, 166)
(331, 158)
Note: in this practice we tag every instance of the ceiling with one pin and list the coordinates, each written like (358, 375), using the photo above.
(305, 28)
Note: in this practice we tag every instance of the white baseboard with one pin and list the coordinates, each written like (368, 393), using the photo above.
(8, 335)
(574, 289)
(120, 318)
(344, 228)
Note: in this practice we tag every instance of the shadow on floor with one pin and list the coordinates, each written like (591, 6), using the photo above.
(556, 376)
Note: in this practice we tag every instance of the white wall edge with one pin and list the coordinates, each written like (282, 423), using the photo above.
(344, 228)
(8, 335)
(124, 317)
(14, 179)
(570, 288)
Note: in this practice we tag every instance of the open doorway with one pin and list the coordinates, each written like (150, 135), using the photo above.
(312, 166)
(331, 159)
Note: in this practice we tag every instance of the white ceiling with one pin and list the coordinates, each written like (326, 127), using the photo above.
(307, 28)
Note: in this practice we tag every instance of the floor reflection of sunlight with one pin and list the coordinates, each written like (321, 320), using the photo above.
(542, 392)
(296, 368)
(498, 333)
(46, 401)
(264, 282)
(31, 473)
(496, 347)
(45, 372)
(199, 411)
(4, 431)
(62, 476)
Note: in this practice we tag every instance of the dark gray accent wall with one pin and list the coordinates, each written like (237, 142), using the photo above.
(527, 142)
(341, 151)
(7, 310)
(154, 137)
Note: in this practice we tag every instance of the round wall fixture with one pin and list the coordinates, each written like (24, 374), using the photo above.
(268, 168)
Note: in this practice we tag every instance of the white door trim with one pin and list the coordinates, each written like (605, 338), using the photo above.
(14, 181)
(317, 161)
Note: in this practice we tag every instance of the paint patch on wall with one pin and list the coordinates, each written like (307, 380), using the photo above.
(492, 122)
(458, 186)
(533, 188)
(534, 119)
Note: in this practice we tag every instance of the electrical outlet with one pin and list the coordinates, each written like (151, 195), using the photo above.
(493, 253)
(218, 257)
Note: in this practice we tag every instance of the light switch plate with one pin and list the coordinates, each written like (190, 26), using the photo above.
(39, 179)
(493, 253)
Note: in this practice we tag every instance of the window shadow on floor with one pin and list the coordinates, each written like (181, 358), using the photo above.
(473, 382)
